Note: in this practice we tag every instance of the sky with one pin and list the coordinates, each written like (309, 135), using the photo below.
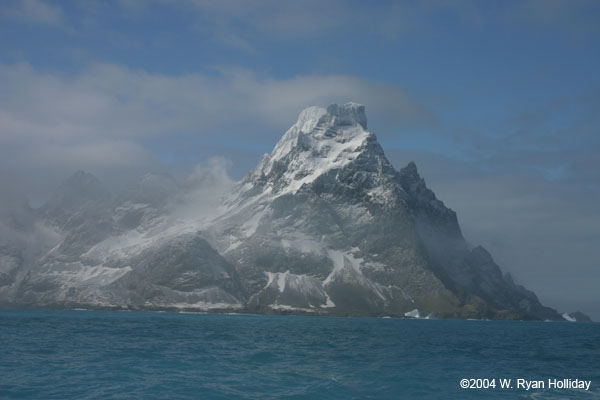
(498, 103)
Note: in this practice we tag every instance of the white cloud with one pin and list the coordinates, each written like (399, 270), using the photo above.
(314, 19)
(100, 118)
(34, 11)
(114, 102)
(205, 186)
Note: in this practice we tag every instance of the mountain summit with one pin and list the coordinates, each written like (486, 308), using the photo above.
(323, 225)
(326, 224)
(322, 140)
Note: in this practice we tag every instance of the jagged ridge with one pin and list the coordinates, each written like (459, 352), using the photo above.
(324, 224)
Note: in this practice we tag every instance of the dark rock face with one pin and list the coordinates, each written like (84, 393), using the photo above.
(323, 225)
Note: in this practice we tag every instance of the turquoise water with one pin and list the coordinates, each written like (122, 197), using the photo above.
(79, 355)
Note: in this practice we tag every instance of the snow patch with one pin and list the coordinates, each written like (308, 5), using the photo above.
(568, 317)
(283, 307)
(304, 290)
(250, 226)
(203, 305)
(99, 275)
(281, 278)
(328, 303)
(346, 266)
(343, 260)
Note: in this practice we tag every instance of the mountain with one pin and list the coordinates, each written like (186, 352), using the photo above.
(576, 316)
(323, 225)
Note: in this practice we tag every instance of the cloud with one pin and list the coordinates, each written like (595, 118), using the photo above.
(210, 173)
(35, 12)
(111, 101)
(247, 26)
(100, 118)
(116, 154)
(232, 20)
(204, 189)
(290, 19)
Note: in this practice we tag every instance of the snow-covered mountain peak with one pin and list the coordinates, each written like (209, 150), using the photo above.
(321, 140)
(323, 225)
(317, 127)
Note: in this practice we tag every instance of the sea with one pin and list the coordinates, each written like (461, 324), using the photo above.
(150, 355)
